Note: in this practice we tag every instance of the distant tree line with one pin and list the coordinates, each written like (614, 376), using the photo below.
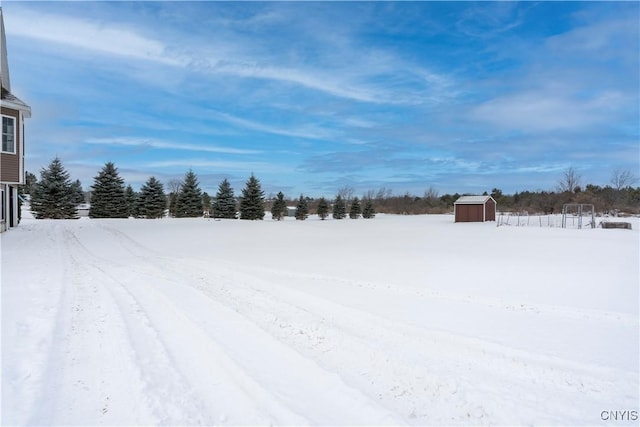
(56, 196)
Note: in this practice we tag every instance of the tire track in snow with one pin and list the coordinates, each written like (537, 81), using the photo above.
(162, 389)
(93, 352)
(41, 322)
(171, 392)
(493, 303)
(423, 381)
(350, 344)
(229, 340)
(82, 356)
(431, 373)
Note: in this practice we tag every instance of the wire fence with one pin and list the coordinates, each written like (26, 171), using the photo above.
(568, 219)
(524, 219)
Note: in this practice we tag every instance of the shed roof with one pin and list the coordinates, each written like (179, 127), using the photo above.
(473, 200)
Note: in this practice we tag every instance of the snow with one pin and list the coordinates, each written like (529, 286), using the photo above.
(399, 320)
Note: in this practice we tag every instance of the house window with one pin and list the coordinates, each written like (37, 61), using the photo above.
(8, 134)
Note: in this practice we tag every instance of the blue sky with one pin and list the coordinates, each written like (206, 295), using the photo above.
(311, 97)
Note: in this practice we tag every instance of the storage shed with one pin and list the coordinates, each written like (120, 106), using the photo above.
(291, 211)
(475, 209)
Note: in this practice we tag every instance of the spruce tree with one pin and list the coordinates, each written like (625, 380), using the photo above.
(173, 200)
(189, 202)
(30, 180)
(53, 196)
(368, 211)
(252, 203)
(131, 197)
(279, 207)
(302, 209)
(355, 211)
(206, 202)
(323, 208)
(339, 208)
(151, 201)
(108, 198)
(225, 204)
(78, 194)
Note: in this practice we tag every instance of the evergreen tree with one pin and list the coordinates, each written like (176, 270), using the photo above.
(108, 198)
(302, 209)
(53, 196)
(189, 201)
(225, 204)
(78, 194)
(252, 203)
(30, 180)
(339, 208)
(152, 202)
(173, 199)
(206, 202)
(279, 207)
(132, 201)
(355, 211)
(323, 208)
(368, 211)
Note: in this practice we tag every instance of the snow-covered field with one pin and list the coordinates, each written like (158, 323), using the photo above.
(397, 320)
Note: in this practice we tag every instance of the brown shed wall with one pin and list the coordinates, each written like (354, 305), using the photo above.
(468, 213)
(10, 163)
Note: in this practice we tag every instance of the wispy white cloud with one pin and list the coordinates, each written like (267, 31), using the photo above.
(548, 109)
(490, 19)
(86, 34)
(354, 72)
(567, 82)
(346, 83)
(166, 145)
(541, 168)
(532, 112)
(309, 131)
(601, 38)
(225, 58)
(257, 167)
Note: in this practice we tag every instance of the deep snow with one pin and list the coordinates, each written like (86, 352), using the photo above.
(396, 320)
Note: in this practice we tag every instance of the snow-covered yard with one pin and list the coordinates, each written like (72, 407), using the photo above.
(397, 320)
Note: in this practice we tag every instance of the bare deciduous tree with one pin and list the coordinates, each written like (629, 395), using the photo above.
(369, 195)
(431, 196)
(174, 185)
(383, 193)
(346, 193)
(570, 180)
(622, 178)
(431, 193)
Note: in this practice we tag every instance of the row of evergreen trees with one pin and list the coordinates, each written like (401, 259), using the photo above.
(55, 196)
(339, 209)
